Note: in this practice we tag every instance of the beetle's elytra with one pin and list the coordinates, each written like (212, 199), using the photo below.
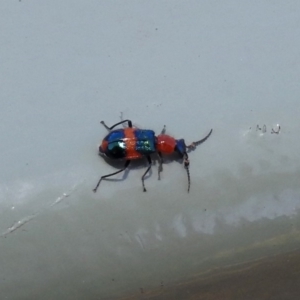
(131, 143)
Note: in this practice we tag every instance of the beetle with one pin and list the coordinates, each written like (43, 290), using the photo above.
(131, 143)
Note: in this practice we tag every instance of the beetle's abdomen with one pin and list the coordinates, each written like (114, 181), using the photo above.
(128, 143)
(145, 141)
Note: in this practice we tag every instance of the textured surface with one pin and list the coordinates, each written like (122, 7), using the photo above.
(270, 278)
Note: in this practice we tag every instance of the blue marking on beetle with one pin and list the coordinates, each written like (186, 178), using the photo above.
(145, 141)
(115, 135)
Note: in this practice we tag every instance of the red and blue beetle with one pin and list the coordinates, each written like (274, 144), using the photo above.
(132, 143)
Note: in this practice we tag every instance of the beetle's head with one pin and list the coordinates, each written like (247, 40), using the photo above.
(180, 147)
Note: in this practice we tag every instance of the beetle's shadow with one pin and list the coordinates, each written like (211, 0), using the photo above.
(139, 164)
(167, 159)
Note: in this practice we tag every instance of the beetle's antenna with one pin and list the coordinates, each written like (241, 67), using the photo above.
(186, 165)
(195, 144)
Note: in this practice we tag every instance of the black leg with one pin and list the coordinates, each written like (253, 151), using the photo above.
(149, 167)
(186, 165)
(121, 118)
(105, 176)
(163, 131)
(110, 128)
(160, 161)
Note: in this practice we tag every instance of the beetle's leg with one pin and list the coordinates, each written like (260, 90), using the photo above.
(186, 165)
(121, 118)
(108, 175)
(149, 167)
(163, 131)
(110, 128)
(160, 161)
(194, 144)
(124, 126)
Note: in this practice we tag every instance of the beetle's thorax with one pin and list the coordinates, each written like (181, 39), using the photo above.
(165, 144)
